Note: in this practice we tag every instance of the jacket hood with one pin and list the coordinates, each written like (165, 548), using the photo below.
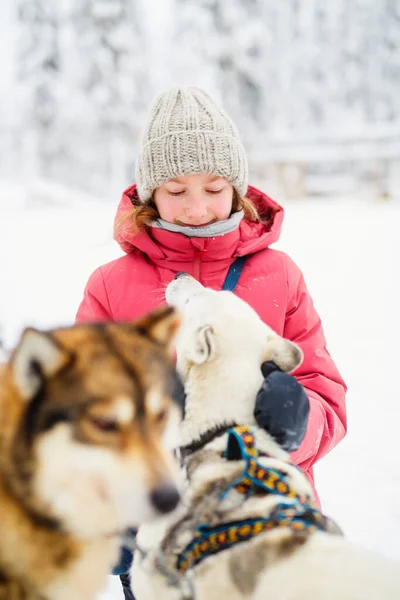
(249, 237)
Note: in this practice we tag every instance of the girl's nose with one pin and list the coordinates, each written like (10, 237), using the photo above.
(196, 208)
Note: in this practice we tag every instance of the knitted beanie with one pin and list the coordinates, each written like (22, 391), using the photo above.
(187, 133)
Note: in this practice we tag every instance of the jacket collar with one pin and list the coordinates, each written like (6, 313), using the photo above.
(162, 245)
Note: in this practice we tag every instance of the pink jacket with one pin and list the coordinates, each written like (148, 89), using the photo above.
(271, 283)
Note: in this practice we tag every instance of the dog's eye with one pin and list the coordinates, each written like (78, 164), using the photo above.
(105, 425)
(161, 415)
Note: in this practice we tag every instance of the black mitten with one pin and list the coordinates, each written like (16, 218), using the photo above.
(282, 407)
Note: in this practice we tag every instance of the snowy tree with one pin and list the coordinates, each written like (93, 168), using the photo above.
(106, 73)
(294, 69)
(287, 72)
(38, 78)
(385, 77)
(225, 47)
(83, 89)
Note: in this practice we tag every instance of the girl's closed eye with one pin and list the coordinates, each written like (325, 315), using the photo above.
(176, 193)
(214, 191)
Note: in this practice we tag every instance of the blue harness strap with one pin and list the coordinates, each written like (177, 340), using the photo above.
(294, 512)
(232, 277)
(241, 445)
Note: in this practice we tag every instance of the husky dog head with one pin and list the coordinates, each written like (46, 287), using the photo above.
(220, 347)
(214, 320)
(88, 422)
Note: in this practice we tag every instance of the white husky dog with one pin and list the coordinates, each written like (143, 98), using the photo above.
(248, 527)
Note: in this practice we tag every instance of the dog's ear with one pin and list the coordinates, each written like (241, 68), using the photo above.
(284, 353)
(36, 357)
(161, 325)
(332, 526)
(204, 347)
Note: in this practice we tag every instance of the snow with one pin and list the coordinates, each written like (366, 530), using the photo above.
(52, 238)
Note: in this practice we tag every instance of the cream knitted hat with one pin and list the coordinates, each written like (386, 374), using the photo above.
(188, 133)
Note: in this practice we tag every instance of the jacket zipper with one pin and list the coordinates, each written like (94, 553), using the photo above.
(196, 265)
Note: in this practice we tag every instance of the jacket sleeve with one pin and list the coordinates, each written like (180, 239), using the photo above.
(318, 374)
(95, 306)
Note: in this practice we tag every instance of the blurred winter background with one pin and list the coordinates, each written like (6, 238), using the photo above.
(314, 89)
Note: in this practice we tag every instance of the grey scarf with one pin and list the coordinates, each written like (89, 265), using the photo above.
(213, 230)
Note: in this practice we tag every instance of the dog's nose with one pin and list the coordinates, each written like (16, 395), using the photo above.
(180, 274)
(165, 498)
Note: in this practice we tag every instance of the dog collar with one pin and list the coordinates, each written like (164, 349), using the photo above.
(205, 438)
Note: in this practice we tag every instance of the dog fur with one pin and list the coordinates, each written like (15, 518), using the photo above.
(87, 427)
(220, 347)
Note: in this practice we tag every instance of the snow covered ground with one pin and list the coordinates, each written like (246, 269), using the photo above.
(50, 241)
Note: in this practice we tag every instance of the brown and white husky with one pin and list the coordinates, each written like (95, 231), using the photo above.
(87, 424)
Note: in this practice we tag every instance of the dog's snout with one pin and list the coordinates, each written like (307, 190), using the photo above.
(181, 274)
(165, 498)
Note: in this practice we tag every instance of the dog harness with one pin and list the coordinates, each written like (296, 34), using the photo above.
(295, 512)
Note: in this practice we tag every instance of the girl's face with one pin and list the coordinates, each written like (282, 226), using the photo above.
(194, 200)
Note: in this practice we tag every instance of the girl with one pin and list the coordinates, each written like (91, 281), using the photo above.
(191, 209)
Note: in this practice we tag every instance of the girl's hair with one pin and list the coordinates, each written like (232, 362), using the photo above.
(141, 214)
